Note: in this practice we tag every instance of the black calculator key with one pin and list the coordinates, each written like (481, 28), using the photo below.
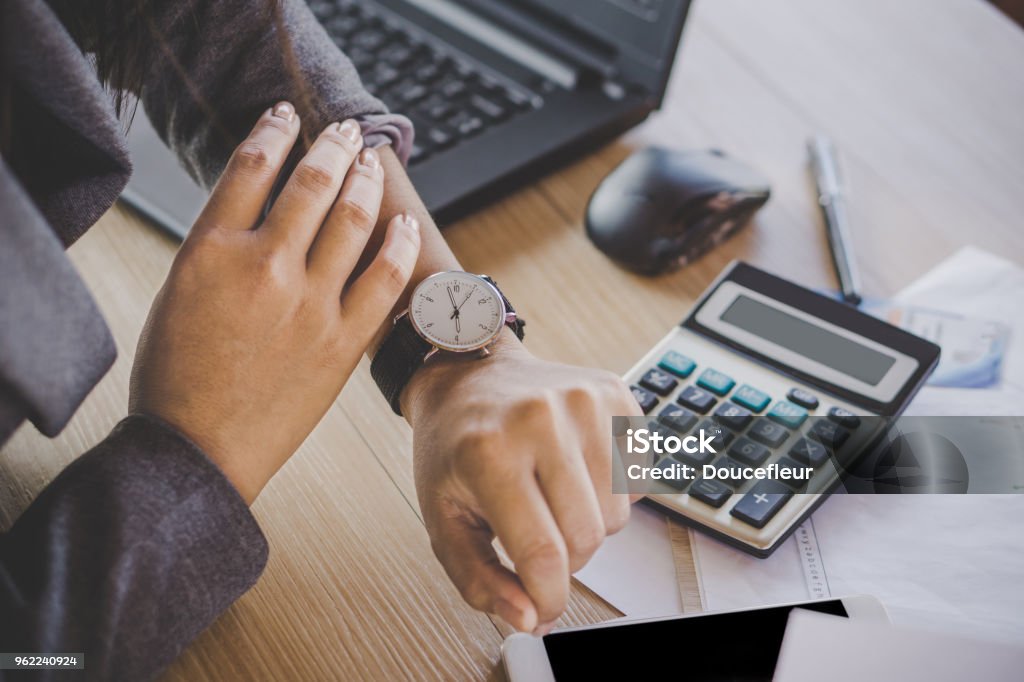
(749, 452)
(733, 416)
(794, 483)
(660, 382)
(677, 417)
(809, 452)
(694, 459)
(762, 503)
(696, 399)
(844, 417)
(710, 492)
(645, 398)
(719, 435)
(802, 398)
(830, 434)
(768, 432)
(678, 483)
(734, 479)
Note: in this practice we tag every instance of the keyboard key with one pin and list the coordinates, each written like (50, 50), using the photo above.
(768, 433)
(749, 452)
(830, 434)
(678, 483)
(440, 138)
(844, 417)
(644, 398)
(802, 398)
(733, 416)
(735, 478)
(679, 418)
(488, 107)
(466, 124)
(658, 381)
(710, 492)
(751, 398)
(452, 88)
(719, 435)
(792, 483)
(715, 381)
(677, 363)
(413, 94)
(787, 414)
(809, 452)
(762, 503)
(697, 400)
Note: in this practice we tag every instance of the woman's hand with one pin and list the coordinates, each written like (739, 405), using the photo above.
(257, 328)
(518, 448)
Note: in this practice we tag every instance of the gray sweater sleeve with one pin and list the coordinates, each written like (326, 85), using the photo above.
(128, 555)
(220, 64)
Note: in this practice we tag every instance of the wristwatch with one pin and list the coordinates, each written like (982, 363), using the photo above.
(454, 312)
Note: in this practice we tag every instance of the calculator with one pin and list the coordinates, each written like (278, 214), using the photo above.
(780, 375)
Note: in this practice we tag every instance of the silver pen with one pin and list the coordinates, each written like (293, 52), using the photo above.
(825, 165)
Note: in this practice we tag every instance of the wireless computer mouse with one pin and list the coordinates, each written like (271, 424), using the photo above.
(661, 209)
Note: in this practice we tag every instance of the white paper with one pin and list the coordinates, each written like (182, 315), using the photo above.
(634, 570)
(949, 562)
(882, 653)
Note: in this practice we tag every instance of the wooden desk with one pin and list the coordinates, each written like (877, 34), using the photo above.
(925, 99)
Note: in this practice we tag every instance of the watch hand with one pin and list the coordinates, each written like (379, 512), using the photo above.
(458, 325)
(451, 297)
(459, 307)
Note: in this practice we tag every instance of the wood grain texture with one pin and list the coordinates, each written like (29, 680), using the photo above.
(923, 99)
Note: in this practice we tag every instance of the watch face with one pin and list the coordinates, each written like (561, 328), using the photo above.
(457, 311)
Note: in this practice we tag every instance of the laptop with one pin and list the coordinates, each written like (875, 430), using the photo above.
(500, 91)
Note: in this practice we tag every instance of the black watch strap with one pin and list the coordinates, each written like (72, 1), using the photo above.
(403, 352)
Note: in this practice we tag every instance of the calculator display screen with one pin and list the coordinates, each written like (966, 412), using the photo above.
(818, 344)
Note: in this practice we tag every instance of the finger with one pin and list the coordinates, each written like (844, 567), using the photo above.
(238, 199)
(518, 513)
(313, 186)
(349, 223)
(600, 462)
(570, 494)
(465, 551)
(372, 295)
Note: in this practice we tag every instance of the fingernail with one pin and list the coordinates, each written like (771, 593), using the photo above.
(350, 130)
(369, 158)
(284, 110)
(544, 628)
(507, 612)
(410, 220)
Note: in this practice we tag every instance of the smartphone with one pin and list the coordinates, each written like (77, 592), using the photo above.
(726, 645)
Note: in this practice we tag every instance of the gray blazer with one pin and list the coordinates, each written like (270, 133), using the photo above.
(139, 544)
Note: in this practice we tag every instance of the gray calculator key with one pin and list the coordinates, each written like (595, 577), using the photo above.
(710, 492)
(677, 483)
(794, 483)
(844, 417)
(733, 416)
(735, 469)
(830, 434)
(678, 418)
(749, 452)
(647, 400)
(660, 382)
(802, 398)
(762, 503)
(810, 452)
(768, 432)
(697, 399)
(719, 435)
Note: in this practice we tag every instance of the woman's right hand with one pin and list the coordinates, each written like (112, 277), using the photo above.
(255, 331)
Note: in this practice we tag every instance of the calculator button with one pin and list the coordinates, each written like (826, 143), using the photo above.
(710, 492)
(733, 416)
(735, 479)
(751, 398)
(809, 452)
(802, 398)
(830, 434)
(844, 417)
(645, 398)
(787, 414)
(678, 418)
(694, 459)
(793, 483)
(677, 364)
(696, 399)
(659, 382)
(762, 503)
(748, 451)
(720, 436)
(769, 433)
(678, 483)
(715, 381)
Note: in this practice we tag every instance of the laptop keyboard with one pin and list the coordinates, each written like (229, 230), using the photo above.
(447, 97)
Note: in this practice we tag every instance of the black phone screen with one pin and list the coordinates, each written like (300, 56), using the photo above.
(717, 647)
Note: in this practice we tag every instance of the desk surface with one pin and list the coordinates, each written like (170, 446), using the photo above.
(923, 97)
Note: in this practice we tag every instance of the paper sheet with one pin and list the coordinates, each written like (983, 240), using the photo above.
(951, 562)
